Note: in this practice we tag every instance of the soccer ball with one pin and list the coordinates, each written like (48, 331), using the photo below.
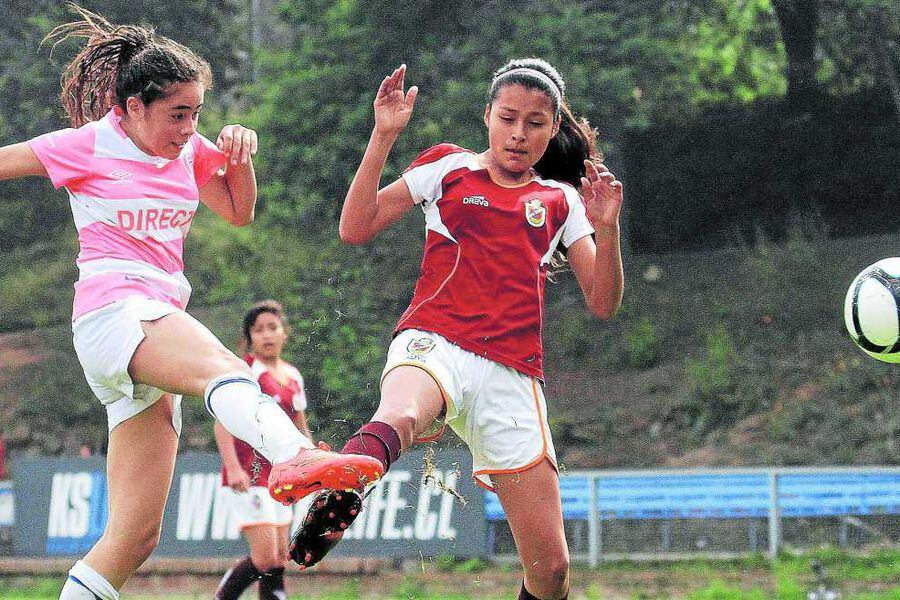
(872, 310)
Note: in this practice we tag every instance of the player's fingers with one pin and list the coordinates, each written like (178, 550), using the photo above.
(246, 145)
(237, 142)
(383, 88)
(254, 142)
(411, 96)
(224, 139)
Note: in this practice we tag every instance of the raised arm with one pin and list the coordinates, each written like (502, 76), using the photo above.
(367, 211)
(598, 266)
(232, 195)
(19, 160)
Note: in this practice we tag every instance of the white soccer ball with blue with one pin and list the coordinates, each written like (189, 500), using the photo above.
(872, 310)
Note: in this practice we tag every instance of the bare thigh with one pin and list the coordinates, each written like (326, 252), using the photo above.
(410, 402)
(139, 465)
(180, 355)
(533, 509)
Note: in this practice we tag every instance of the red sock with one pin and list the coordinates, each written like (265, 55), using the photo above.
(376, 439)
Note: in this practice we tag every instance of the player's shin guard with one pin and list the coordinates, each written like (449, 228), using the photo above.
(376, 439)
(84, 583)
(240, 406)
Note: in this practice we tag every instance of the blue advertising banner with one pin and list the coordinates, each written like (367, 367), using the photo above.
(421, 507)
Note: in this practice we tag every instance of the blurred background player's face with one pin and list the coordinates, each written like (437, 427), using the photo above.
(267, 336)
(521, 122)
(164, 126)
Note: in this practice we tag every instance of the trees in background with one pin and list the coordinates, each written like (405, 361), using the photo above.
(629, 64)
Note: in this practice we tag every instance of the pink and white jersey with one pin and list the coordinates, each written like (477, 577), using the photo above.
(487, 251)
(132, 210)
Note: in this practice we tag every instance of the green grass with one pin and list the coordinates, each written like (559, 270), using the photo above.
(871, 576)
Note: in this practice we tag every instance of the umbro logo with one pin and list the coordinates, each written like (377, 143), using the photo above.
(120, 174)
(476, 200)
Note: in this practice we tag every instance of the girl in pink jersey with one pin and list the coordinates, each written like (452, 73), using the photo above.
(135, 169)
(468, 351)
(263, 521)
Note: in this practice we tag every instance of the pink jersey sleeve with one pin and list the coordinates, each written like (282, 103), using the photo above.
(66, 154)
(207, 160)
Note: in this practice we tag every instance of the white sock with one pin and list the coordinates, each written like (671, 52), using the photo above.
(237, 402)
(84, 583)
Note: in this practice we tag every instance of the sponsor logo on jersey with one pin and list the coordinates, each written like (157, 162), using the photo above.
(120, 174)
(535, 213)
(154, 219)
(476, 200)
(419, 347)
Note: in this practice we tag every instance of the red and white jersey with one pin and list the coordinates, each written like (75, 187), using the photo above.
(132, 210)
(487, 252)
(291, 397)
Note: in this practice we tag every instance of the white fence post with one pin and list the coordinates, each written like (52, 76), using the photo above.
(593, 524)
(774, 516)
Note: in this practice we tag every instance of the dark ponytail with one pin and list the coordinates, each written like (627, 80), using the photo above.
(120, 61)
(576, 140)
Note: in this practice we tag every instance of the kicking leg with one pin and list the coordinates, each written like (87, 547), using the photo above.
(410, 403)
(180, 355)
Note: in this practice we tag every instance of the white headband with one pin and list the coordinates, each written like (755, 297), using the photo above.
(536, 74)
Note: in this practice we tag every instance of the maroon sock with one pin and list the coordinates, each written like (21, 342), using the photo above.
(236, 580)
(526, 595)
(271, 585)
(376, 439)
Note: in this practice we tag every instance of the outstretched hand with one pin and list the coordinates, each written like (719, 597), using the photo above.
(602, 194)
(393, 107)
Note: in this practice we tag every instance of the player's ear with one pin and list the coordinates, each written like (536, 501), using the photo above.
(487, 114)
(134, 106)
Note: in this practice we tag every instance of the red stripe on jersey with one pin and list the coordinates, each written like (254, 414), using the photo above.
(436, 153)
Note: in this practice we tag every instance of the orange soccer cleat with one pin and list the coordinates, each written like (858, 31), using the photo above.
(314, 469)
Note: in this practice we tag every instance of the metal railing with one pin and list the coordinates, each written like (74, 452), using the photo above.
(725, 494)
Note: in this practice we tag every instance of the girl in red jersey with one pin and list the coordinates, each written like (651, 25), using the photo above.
(468, 350)
(135, 169)
(263, 521)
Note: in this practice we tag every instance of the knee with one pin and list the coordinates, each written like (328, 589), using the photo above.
(551, 575)
(229, 363)
(136, 543)
(265, 562)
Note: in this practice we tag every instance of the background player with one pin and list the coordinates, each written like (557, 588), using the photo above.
(135, 168)
(468, 350)
(263, 521)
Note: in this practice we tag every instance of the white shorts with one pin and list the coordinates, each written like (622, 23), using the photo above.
(500, 413)
(257, 507)
(105, 341)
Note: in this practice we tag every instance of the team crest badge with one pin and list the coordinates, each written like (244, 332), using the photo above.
(535, 213)
(419, 346)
